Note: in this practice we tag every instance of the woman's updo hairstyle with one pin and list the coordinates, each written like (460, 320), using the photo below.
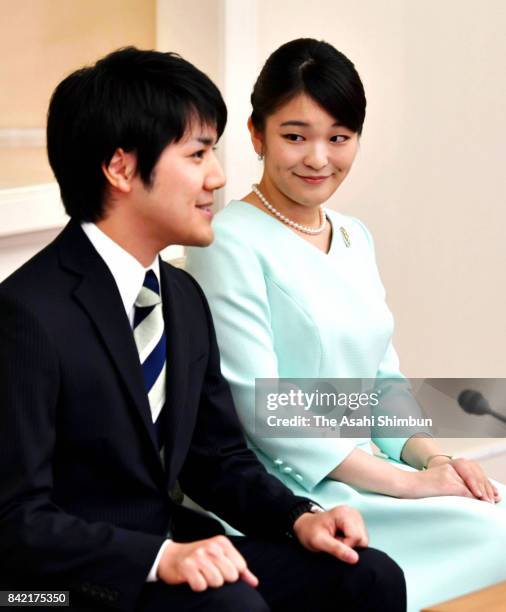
(317, 69)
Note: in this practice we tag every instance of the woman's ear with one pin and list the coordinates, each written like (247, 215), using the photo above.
(120, 170)
(257, 138)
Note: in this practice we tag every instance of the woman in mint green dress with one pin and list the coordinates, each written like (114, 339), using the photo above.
(295, 292)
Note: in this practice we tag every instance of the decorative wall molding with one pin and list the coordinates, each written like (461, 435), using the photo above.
(11, 138)
(24, 210)
(484, 449)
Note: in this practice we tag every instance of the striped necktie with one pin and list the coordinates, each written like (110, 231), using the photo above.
(149, 337)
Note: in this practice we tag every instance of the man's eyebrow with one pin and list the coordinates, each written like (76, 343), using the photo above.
(205, 140)
(296, 123)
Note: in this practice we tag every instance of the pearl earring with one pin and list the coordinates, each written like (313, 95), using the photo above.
(260, 157)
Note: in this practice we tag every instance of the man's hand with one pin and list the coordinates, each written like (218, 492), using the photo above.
(204, 564)
(335, 532)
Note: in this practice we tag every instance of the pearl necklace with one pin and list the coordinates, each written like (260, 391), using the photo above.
(301, 228)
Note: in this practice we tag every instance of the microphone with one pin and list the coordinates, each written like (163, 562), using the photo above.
(473, 402)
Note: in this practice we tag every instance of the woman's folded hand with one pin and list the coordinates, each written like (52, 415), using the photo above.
(436, 481)
(476, 480)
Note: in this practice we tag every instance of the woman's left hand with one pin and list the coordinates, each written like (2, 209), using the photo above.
(475, 478)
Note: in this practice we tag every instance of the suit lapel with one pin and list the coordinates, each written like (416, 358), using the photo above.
(99, 296)
(177, 357)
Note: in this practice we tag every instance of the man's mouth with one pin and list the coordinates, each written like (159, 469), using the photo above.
(206, 209)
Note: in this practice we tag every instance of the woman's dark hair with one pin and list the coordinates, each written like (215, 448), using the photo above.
(138, 100)
(315, 68)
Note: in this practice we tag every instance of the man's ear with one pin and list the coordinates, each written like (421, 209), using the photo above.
(120, 170)
(257, 138)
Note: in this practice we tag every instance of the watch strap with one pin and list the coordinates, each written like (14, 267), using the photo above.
(298, 510)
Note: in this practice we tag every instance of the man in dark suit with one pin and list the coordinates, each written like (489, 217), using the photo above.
(111, 388)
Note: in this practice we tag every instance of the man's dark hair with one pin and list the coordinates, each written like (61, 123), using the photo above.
(315, 68)
(138, 100)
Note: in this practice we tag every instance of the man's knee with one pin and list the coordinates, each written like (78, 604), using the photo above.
(231, 597)
(235, 597)
(386, 583)
(374, 584)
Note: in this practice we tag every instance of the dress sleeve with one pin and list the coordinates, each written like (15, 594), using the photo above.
(397, 399)
(232, 277)
(389, 370)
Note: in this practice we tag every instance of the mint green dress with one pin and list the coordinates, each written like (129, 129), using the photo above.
(283, 308)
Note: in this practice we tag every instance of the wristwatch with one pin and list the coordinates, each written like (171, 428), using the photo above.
(300, 509)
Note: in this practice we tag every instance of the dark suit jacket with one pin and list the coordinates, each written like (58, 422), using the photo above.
(84, 501)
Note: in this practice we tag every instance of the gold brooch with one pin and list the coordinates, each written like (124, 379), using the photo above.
(346, 237)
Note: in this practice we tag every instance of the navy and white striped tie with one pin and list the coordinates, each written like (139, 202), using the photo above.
(149, 337)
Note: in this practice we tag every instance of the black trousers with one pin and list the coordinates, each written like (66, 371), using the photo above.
(292, 579)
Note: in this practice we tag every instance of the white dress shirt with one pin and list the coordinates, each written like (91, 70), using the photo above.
(129, 276)
(127, 271)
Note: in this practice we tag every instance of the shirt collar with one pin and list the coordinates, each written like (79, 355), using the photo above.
(127, 271)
